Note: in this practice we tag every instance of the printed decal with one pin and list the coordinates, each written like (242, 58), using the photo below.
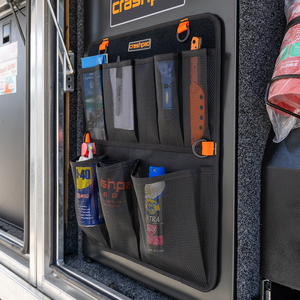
(139, 45)
(8, 85)
(9, 52)
(87, 196)
(113, 193)
(124, 11)
(151, 228)
(152, 206)
(156, 240)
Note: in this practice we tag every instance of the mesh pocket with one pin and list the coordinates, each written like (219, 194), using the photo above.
(119, 101)
(146, 101)
(118, 201)
(166, 78)
(87, 203)
(195, 96)
(170, 233)
(91, 82)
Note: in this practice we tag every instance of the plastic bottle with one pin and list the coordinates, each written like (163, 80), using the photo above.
(153, 204)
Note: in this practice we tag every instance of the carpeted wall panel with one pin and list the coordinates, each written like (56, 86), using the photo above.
(72, 228)
(261, 27)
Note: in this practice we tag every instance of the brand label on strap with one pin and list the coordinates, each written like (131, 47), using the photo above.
(124, 11)
(139, 45)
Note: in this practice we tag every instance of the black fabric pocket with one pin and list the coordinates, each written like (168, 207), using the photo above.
(170, 225)
(168, 98)
(91, 82)
(146, 101)
(119, 104)
(87, 203)
(118, 204)
(195, 96)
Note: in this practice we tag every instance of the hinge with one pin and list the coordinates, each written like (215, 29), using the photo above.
(68, 77)
(68, 57)
(265, 289)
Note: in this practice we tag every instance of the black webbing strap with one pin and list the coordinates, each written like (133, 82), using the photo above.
(287, 76)
(292, 23)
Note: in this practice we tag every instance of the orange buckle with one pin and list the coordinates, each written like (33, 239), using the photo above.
(209, 148)
(182, 27)
(103, 46)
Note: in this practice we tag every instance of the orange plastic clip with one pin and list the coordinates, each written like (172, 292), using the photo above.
(209, 148)
(183, 26)
(103, 45)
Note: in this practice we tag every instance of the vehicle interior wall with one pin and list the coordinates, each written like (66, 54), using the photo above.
(260, 31)
(261, 28)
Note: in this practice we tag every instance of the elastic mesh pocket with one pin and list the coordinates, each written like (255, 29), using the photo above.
(170, 237)
(91, 82)
(208, 209)
(87, 203)
(146, 101)
(196, 99)
(119, 101)
(118, 202)
(168, 99)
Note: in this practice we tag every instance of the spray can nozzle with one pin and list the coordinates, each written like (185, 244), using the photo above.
(156, 171)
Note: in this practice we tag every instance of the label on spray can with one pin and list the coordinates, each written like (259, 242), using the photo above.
(153, 197)
(89, 210)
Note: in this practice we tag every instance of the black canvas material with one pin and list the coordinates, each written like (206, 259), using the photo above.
(196, 180)
(96, 232)
(117, 201)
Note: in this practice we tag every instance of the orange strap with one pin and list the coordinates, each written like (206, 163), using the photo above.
(103, 45)
(197, 99)
(183, 26)
(209, 148)
(197, 104)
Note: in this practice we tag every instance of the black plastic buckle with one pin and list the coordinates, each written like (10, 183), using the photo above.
(287, 76)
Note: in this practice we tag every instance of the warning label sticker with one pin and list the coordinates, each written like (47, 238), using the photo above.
(9, 68)
(8, 85)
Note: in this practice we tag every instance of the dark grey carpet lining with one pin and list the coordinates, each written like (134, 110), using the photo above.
(71, 226)
(261, 27)
(111, 278)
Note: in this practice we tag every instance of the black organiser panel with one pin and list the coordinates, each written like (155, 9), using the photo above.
(182, 243)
